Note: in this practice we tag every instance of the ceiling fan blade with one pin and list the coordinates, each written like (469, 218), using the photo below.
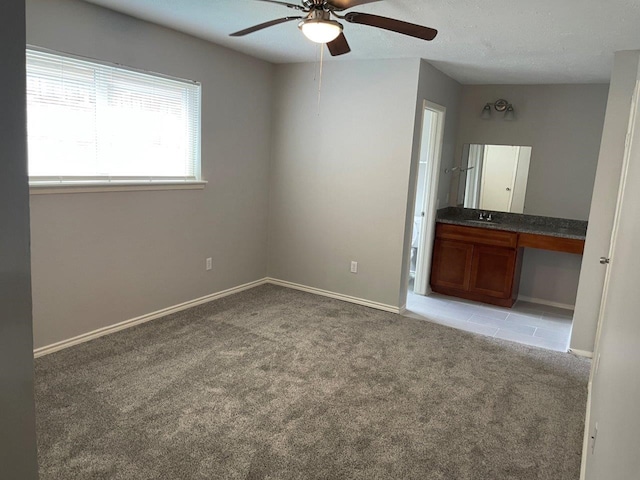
(340, 5)
(398, 26)
(339, 46)
(290, 5)
(255, 28)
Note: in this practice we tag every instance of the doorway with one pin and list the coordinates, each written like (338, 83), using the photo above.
(426, 202)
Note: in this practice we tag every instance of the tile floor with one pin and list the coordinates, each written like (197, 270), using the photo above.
(528, 323)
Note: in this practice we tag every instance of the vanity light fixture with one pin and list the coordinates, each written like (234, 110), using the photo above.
(500, 105)
(486, 112)
(509, 115)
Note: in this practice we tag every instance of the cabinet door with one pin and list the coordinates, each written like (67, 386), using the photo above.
(492, 271)
(451, 266)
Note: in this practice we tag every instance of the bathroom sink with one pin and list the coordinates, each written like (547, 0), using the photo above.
(481, 222)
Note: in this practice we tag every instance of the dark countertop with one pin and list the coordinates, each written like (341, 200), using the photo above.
(515, 222)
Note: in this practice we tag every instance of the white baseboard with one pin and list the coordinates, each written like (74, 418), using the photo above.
(338, 296)
(581, 353)
(403, 309)
(85, 337)
(542, 301)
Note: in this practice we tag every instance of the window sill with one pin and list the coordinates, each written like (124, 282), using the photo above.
(78, 187)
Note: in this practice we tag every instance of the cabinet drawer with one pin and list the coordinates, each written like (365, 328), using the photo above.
(479, 236)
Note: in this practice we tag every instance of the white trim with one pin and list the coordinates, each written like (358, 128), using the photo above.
(85, 337)
(337, 296)
(430, 201)
(581, 353)
(403, 309)
(542, 301)
(49, 189)
(585, 436)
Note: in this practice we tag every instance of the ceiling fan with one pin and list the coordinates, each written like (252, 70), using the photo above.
(318, 25)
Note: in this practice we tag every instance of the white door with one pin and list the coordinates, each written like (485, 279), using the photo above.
(498, 177)
(430, 154)
(612, 433)
(522, 176)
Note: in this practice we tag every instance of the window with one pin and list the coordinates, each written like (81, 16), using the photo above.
(95, 123)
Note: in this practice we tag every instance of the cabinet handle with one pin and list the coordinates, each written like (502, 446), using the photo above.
(604, 260)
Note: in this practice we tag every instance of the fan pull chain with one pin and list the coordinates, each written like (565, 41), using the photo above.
(320, 78)
(315, 63)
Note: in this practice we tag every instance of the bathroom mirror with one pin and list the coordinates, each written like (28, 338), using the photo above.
(493, 177)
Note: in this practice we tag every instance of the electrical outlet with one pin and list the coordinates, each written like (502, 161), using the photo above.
(354, 267)
(209, 263)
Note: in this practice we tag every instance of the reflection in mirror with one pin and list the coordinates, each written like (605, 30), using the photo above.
(494, 177)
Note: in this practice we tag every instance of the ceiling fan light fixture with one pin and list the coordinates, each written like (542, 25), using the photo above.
(320, 30)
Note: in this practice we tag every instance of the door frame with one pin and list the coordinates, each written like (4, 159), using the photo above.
(634, 123)
(430, 201)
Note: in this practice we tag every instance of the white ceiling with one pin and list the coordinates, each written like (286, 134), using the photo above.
(480, 41)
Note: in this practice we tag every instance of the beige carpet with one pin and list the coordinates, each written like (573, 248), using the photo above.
(277, 384)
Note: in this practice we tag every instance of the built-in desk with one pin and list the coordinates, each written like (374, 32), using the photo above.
(481, 260)
(548, 242)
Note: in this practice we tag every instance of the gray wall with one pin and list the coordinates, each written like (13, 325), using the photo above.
(343, 177)
(436, 87)
(563, 124)
(605, 195)
(102, 258)
(17, 415)
(615, 386)
(339, 175)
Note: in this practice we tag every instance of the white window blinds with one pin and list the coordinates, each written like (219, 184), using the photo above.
(100, 123)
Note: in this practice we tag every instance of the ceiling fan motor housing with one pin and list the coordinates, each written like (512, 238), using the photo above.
(315, 4)
(319, 15)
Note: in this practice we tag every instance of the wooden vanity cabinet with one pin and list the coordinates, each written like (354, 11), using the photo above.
(451, 266)
(476, 263)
